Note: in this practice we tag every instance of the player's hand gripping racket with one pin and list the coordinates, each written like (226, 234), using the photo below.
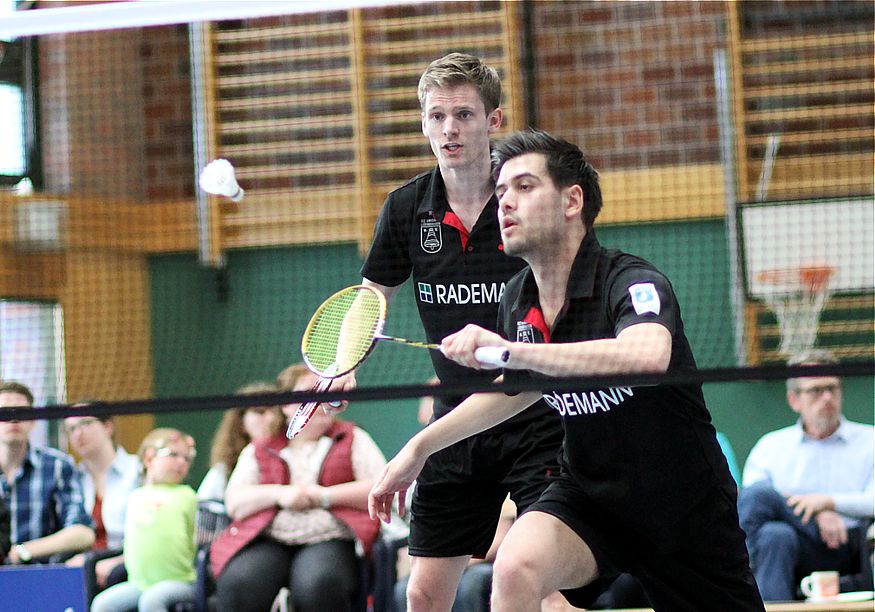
(342, 333)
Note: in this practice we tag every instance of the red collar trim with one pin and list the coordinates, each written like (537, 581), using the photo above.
(451, 219)
(536, 319)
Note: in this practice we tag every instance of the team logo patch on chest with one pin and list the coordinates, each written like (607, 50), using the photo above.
(524, 332)
(430, 235)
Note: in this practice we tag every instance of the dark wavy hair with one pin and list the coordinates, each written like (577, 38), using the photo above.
(566, 165)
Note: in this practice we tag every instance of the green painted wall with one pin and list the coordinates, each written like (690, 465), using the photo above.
(204, 346)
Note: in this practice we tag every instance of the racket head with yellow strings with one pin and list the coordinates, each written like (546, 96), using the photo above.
(343, 331)
(339, 337)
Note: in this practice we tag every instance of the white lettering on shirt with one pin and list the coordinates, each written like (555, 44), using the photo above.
(587, 402)
(474, 293)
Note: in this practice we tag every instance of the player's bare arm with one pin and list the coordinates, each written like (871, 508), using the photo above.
(477, 413)
(348, 381)
(640, 348)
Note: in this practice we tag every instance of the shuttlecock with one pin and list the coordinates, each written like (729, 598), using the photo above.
(217, 178)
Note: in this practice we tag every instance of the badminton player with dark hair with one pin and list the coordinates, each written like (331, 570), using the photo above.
(441, 229)
(644, 487)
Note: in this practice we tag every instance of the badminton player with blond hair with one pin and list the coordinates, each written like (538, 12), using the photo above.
(441, 229)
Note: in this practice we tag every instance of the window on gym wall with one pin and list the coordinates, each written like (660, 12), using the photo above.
(32, 352)
(13, 122)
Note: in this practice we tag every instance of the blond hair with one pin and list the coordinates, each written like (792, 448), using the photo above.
(161, 438)
(457, 69)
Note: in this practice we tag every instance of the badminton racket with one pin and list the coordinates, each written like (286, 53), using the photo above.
(342, 333)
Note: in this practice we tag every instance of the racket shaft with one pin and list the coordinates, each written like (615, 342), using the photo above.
(434, 347)
(487, 355)
(305, 412)
(302, 416)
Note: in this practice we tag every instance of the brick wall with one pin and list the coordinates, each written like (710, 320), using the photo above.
(165, 65)
(91, 120)
(631, 82)
(116, 114)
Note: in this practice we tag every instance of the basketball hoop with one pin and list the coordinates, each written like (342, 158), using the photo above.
(797, 297)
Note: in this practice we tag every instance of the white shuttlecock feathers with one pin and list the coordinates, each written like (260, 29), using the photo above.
(218, 178)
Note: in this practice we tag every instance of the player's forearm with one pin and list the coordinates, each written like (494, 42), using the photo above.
(634, 351)
(350, 494)
(477, 413)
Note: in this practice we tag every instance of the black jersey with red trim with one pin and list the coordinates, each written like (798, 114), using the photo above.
(458, 277)
(643, 454)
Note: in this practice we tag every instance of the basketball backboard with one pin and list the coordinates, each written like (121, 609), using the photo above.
(838, 234)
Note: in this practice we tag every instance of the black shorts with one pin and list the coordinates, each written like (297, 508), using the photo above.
(459, 493)
(707, 569)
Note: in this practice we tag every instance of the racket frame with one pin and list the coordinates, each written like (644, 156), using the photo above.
(376, 334)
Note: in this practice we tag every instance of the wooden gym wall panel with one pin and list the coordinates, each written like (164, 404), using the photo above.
(810, 82)
(30, 276)
(319, 112)
(105, 301)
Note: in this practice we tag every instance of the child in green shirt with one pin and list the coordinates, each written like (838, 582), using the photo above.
(159, 530)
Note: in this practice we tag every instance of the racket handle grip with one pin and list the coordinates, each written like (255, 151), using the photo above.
(492, 355)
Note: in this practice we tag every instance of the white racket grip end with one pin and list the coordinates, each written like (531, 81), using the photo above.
(492, 355)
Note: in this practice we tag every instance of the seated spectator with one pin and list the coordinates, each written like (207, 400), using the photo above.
(300, 513)
(42, 489)
(239, 427)
(5, 538)
(808, 489)
(159, 530)
(109, 474)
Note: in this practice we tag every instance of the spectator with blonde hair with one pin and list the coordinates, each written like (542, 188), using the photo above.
(239, 427)
(159, 530)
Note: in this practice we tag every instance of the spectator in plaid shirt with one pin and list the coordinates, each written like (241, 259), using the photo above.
(41, 488)
(5, 541)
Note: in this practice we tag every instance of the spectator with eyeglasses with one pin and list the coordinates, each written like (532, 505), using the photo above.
(807, 490)
(159, 530)
(109, 474)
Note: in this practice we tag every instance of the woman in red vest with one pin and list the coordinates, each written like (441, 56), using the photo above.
(300, 510)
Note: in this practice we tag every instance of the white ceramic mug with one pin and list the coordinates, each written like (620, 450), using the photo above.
(820, 585)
